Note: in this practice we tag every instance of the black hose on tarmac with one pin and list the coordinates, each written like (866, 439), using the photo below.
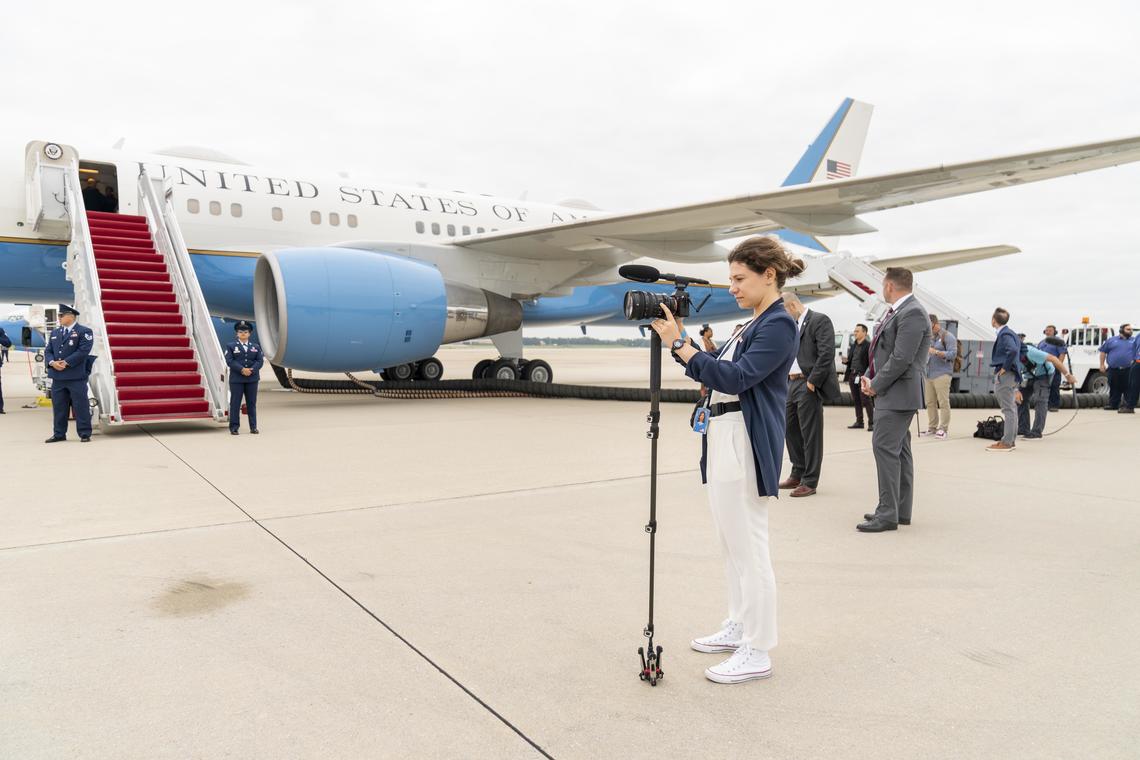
(520, 388)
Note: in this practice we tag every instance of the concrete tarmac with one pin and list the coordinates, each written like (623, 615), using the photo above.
(370, 578)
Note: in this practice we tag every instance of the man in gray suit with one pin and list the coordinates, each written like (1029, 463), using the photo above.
(895, 380)
(811, 381)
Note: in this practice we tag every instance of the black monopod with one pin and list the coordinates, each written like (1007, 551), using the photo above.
(640, 306)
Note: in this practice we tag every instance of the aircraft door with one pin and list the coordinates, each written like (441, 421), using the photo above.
(100, 184)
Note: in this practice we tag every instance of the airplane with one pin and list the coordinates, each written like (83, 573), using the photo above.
(24, 335)
(347, 275)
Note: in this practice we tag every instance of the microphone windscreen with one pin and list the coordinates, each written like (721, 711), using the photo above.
(639, 273)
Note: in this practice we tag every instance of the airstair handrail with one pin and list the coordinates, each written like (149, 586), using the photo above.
(155, 204)
(83, 274)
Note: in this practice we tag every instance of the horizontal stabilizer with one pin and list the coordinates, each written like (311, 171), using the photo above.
(922, 262)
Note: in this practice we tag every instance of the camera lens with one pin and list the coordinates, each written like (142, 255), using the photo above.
(642, 305)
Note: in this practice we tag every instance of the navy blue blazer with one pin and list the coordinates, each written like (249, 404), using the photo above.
(1006, 353)
(239, 359)
(74, 347)
(5, 342)
(758, 374)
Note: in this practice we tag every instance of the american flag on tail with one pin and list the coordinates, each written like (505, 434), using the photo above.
(838, 169)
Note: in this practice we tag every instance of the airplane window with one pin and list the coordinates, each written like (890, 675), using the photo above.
(192, 205)
(466, 230)
(334, 219)
(420, 227)
(451, 230)
(277, 215)
(315, 217)
(235, 209)
(352, 220)
(215, 208)
(479, 230)
(435, 228)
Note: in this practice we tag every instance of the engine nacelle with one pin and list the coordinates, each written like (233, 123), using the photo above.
(344, 309)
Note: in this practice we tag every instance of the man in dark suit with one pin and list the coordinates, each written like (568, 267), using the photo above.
(858, 358)
(811, 381)
(896, 382)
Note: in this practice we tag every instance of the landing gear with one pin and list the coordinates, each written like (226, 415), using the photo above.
(430, 370)
(530, 370)
(482, 367)
(504, 369)
(401, 373)
(537, 371)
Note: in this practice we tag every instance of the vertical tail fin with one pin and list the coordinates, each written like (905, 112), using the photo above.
(834, 154)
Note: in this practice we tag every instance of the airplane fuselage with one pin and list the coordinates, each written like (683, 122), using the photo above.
(230, 213)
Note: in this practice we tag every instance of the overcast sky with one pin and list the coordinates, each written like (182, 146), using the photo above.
(633, 105)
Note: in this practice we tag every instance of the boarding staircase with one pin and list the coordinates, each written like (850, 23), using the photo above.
(158, 355)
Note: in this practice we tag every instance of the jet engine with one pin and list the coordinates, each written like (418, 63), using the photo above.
(345, 309)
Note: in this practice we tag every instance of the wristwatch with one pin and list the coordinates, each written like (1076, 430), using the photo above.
(677, 345)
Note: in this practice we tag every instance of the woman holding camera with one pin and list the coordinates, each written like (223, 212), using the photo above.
(743, 448)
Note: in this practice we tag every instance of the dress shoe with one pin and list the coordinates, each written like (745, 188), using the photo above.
(254, 432)
(876, 526)
(1126, 410)
(856, 426)
(1054, 409)
(789, 483)
(802, 491)
(871, 516)
(56, 439)
(233, 432)
(85, 439)
(870, 428)
(2, 411)
(1031, 435)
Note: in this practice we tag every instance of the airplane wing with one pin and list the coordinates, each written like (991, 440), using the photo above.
(918, 262)
(922, 262)
(830, 208)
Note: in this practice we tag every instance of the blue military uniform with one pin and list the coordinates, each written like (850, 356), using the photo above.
(241, 356)
(5, 343)
(69, 385)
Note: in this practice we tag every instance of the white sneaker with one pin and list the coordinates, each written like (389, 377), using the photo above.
(747, 664)
(727, 639)
(925, 433)
(941, 435)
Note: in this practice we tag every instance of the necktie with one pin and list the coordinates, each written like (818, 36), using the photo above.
(878, 332)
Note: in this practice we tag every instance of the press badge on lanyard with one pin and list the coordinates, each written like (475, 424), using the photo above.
(701, 420)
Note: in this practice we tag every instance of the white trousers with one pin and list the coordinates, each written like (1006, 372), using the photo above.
(740, 516)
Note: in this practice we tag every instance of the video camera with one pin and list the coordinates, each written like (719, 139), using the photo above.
(641, 305)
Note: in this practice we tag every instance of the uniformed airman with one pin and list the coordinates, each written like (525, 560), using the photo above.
(245, 358)
(68, 359)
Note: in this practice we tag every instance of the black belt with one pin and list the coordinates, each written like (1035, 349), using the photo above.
(717, 410)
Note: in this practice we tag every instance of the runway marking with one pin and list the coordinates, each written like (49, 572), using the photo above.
(352, 598)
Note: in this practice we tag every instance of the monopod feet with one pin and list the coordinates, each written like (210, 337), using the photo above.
(651, 665)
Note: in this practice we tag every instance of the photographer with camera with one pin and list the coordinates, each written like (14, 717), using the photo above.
(742, 448)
